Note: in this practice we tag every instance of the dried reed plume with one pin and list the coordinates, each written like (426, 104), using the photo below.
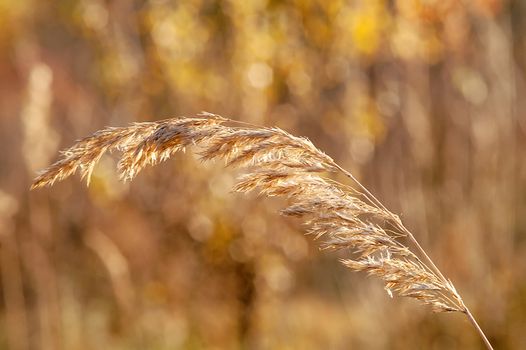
(280, 164)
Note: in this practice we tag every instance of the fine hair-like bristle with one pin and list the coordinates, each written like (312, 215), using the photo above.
(277, 163)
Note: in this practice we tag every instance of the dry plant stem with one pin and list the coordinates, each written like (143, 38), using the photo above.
(400, 225)
(466, 310)
(477, 327)
(279, 164)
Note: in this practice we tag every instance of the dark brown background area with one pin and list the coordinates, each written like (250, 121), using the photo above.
(422, 100)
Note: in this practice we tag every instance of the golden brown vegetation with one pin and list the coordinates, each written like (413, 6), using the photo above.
(421, 100)
(280, 164)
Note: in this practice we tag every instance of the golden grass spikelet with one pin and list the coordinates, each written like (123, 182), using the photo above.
(277, 163)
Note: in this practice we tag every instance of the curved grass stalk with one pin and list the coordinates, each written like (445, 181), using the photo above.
(277, 163)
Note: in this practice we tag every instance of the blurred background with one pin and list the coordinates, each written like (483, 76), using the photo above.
(422, 100)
